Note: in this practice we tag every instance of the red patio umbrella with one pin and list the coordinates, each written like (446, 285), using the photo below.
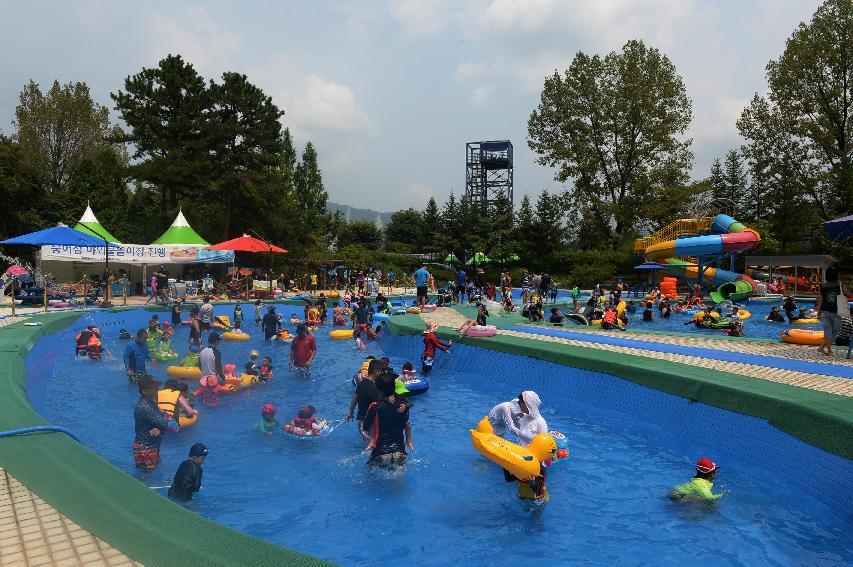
(248, 243)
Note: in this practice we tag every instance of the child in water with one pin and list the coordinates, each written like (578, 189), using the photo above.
(268, 423)
(238, 316)
(294, 320)
(431, 342)
(228, 370)
(338, 315)
(544, 449)
(305, 424)
(258, 316)
(209, 390)
(266, 369)
(700, 486)
(648, 314)
(252, 365)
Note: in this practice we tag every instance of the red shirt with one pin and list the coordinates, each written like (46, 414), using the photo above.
(302, 349)
(431, 342)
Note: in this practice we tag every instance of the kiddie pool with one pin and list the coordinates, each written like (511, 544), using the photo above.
(789, 502)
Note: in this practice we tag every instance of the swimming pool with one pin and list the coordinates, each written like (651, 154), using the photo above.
(789, 504)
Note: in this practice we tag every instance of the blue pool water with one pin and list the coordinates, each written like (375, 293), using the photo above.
(789, 503)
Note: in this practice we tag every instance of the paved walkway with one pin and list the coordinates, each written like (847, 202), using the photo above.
(811, 380)
(32, 533)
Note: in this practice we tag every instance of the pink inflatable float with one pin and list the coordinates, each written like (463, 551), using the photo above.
(481, 331)
(429, 307)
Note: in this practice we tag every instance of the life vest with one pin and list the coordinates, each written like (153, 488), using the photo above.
(609, 318)
(83, 338)
(167, 400)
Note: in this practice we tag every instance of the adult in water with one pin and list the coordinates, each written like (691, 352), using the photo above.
(195, 330)
(270, 323)
(303, 349)
(531, 423)
(149, 423)
(135, 356)
(386, 426)
(210, 359)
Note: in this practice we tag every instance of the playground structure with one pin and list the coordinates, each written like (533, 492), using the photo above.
(696, 249)
(488, 171)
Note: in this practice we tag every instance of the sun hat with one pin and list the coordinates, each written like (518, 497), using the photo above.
(705, 465)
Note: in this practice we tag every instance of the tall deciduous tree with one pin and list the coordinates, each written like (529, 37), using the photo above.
(57, 129)
(615, 126)
(800, 136)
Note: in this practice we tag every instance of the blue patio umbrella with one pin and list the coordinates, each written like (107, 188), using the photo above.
(839, 229)
(648, 266)
(59, 235)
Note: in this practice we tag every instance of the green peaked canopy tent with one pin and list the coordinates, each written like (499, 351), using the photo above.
(181, 234)
(89, 225)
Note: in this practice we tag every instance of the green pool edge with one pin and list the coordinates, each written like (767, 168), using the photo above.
(99, 497)
(819, 418)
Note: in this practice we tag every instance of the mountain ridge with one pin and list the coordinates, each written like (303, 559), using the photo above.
(353, 214)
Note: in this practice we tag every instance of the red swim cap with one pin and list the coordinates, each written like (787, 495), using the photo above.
(705, 465)
(268, 408)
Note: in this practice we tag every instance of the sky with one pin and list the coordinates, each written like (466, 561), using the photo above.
(389, 91)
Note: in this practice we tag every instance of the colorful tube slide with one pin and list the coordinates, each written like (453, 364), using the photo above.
(727, 236)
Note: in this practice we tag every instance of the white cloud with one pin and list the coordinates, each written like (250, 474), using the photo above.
(196, 36)
(415, 195)
(420, 17)
(481, 95)
(311, 102)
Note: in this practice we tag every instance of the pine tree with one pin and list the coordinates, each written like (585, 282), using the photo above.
(735, 182)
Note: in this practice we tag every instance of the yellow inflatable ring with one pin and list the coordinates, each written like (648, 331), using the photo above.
(221, 321)
(809, 321)
(801, 337)
(244, 381)
(595, 323)
(414, 310)
(184, 372)
(743, 314)
(333, 294)
(620, 309)
(341, 334)
(232, 336)
(184, 421)
(714, 314)
(520, 461)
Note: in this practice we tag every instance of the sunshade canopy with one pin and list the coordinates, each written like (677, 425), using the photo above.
(89, 225)
(60, 235)
(181, 233)
(246, 243)
(839, 229)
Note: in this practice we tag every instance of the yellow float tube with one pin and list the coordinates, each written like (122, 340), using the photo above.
(232, 336)
(809, 321)
(743, 314)
(700, 314)
(801, 337)
(414, 310)
(341, 334)
(184, 372)
(595, 323)
(522, 462)
(244, 381)
(221, 321)
(185, 421)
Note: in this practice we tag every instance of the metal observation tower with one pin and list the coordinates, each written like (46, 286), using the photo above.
(488, 171)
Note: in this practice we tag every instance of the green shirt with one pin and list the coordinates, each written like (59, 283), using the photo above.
(576, 292)
(698, 488)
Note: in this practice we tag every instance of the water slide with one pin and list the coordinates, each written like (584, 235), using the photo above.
(727, 236)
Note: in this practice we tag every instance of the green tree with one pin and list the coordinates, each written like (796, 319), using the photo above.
(57, 129)
(246, 138)
(430, 226)
(406, 228)
(101, 182)
(525, 228)
(800, 136)
(17, 190)
(167, 111)
(736, 181)
(615, 126)
(719, 189)
(309, 197)
(361, 233)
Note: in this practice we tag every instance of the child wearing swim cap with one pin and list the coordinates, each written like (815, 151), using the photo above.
(268, 423)
(266, 369)
(700, 486)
